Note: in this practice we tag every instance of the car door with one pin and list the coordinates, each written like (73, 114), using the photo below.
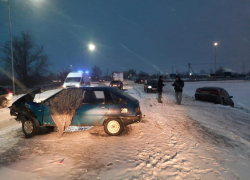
(227, 99)
(118, 105)
(94, 107)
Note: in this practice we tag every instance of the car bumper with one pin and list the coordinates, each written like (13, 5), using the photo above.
(152, 89)
(132, 119)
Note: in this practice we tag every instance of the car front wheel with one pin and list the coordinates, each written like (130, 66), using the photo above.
(30, 127)
(113, 127)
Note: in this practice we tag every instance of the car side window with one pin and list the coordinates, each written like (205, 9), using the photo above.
(93, 97)
(82, 80)
(117, 100)
(225, 93)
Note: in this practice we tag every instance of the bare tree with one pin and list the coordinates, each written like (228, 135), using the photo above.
(29, 58)
(96, 73)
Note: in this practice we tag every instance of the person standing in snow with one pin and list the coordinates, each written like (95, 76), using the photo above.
(159, 88)
(178, 87)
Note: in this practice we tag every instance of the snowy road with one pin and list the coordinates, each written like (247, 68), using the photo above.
(196, 140)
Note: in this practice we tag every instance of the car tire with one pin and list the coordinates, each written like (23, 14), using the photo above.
(4, 103)
(51, 128)
(222, 101)
(113, 127)
(30, 127)
(197, 99)
(146, 90)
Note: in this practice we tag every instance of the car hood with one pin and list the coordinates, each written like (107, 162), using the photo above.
(28, 97)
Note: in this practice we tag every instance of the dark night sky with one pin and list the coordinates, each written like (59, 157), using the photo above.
(148, 35)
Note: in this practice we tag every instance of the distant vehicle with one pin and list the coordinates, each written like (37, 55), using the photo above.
(216, 95)
(101, 80)
(118, 77)
(77, 79)
(83, 106)
(150, 85)
(140, 80)
(117, 84)
(227, 74)
(5, 97)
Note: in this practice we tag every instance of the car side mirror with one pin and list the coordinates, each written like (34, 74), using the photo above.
(230, 96)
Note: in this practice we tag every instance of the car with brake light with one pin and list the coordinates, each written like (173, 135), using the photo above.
(5, 97)
(216, 95)
(117, 84)
(84, 106)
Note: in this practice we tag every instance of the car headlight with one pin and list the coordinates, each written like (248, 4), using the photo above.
(149, 87)
(64, 86)
(78, 85)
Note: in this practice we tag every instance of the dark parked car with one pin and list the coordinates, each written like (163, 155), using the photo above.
(150, 85)
(214, 94)
(140, 80)
(83, 106)
(117, 84)
(5, 97)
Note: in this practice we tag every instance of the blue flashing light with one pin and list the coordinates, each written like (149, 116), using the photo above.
(87, 72)
(80, 71)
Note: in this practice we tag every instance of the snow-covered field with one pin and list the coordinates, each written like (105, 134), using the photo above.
(196, 140)
(240, 90)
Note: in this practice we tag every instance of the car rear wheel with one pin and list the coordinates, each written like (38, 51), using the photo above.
(4, 103)
(30, 127)
(222, 102)
(113, 127)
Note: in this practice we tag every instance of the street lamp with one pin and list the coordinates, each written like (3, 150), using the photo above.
(91, 47)
(11, 50)
(215, 45)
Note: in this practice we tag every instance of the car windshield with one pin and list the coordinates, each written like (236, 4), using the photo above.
(115, 82)
(73, 79)
(152, 82)
(131, 98)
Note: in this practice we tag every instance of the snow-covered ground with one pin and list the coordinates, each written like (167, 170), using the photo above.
(196, 140)
(240, 90)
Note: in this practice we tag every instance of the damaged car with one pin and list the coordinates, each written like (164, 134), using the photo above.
(84, 106)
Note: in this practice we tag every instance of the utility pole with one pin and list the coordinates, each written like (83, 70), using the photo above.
(11, 50)
(243, 67)
(215, 45)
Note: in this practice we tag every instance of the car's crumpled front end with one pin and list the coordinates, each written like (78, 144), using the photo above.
(19, 106)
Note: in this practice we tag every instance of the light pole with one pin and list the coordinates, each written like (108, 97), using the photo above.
(215, 45)
(11, 50)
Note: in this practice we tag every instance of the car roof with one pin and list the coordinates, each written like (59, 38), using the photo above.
(93, 88)
(208, 87)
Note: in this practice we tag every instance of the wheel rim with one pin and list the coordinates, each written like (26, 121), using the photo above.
(28, 127)
(113, 127)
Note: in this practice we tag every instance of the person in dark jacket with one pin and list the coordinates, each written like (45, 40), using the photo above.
(159, 88)
(178, 87)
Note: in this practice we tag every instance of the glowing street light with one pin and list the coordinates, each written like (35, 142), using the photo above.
(215, 45)
(91, 47)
